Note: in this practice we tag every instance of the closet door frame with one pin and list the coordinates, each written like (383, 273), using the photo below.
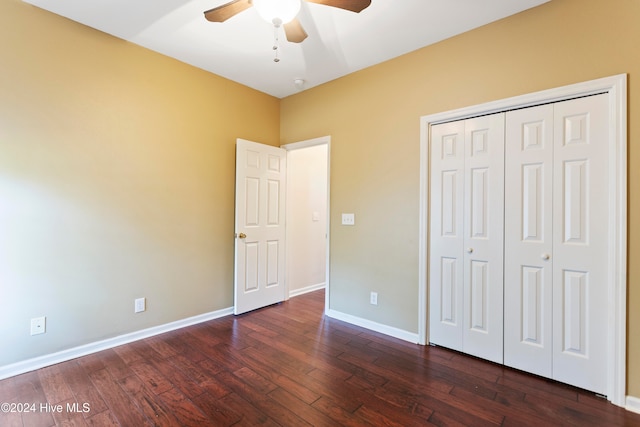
(616, 89)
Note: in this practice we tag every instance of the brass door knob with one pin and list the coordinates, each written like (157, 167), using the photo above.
(242, 236)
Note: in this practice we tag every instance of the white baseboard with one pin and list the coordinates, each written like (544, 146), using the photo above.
(633, 404)
(374, 326)
(72, 353)
(306, 289)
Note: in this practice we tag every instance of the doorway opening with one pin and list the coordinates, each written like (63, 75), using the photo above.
(307, 230)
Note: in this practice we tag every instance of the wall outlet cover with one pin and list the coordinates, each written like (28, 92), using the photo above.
(373, 298)
(140, 305)
(38, 325)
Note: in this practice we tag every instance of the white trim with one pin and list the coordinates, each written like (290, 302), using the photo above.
(307, 143)
(311, 143)
(616, 88)
(28, 365)
(374, 326)
(633, 404)
(423, 231)
(306, 289)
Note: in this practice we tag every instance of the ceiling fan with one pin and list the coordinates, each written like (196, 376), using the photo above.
(280, 12)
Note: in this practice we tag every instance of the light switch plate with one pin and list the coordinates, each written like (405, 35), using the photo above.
(348, 219)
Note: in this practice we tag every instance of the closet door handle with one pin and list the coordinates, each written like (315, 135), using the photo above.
(546, 257)
(470, 250)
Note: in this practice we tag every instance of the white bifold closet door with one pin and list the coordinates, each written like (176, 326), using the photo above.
(556, 241)
(466, 228)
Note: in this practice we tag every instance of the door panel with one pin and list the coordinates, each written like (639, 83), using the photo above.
(528, 240)
(467, 204)
(479, 287)
(446, 252)
(532, 204)
(532, 309)
(260, 214)
(575, 291)
(574, 200)
(479, 179)
(483, 219)
(581, 243)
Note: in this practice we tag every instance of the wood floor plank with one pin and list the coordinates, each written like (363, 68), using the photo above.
(251, 416)
(291, 349)
(274, 410)
(91, 362)
(154, 409)
(178, 378)
(103, 419)
(32, 394)
(82, 387)
(155, 381)
(255, 380)
(307, 412)
(10, 419)
(71, 414)
(373, 417)
(473, 410)
(114, 364)
(8, 390)
(162, 345)
(337, 413)
(216, 410)
(120, 404)
(187, 413)
(279, 374)
(289, 365)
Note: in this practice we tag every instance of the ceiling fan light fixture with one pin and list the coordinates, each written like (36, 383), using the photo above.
(277, 11)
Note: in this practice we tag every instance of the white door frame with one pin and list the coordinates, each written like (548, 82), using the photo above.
(323, 140)
(616, 88)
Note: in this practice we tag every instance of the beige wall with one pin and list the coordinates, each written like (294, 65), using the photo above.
(116, 182)
(373, 119)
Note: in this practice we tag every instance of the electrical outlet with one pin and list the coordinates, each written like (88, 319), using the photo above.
(38, 325)
(348, 219)
(140, 305)
(373, 299)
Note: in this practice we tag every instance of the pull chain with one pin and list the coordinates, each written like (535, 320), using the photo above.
(276, 44)
(276, 41)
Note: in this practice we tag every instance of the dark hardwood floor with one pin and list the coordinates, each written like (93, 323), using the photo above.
(288, 365)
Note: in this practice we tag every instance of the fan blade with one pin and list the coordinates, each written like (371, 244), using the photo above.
(226, 11)
(294, 31)
(352, 5)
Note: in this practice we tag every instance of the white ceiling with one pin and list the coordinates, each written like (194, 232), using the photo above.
(240, 49)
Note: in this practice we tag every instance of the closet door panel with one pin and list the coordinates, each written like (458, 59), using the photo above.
(528, 240)
(446, 231)
(483, 237)
(581, 242)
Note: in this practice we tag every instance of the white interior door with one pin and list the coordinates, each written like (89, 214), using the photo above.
(581, 242)
(528, 240)
(466, 260)
(259, 226)
(556, 241)
(446, 252)
(483, 231)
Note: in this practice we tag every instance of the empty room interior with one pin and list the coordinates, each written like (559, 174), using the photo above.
(119, 183)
